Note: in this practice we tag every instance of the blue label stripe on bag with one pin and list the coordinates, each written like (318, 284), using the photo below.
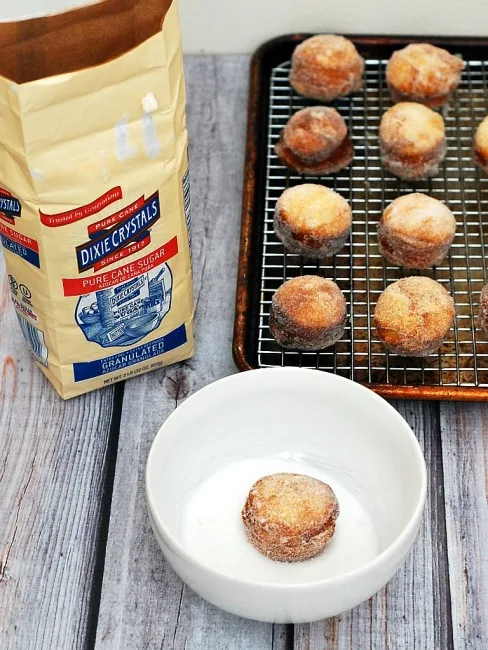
(139, 354)
(22, 251)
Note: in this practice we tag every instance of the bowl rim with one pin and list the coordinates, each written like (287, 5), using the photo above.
(382, 559)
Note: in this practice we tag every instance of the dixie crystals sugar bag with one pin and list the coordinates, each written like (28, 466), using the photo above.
(94, 190)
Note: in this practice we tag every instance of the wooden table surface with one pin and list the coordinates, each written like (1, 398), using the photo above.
(79, 565)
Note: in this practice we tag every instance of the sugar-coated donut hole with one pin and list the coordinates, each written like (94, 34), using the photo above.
(416, 231)
(412, 140)
(307, 313)
(483, 310)
(480, 145)
(290, 517)
(312, 220)
(413, 316)
(315, 141)
(423, 73)
(325, 67)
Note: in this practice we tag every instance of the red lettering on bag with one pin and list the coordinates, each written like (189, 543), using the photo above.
(82, 286)
(19, 238)
(70, 216)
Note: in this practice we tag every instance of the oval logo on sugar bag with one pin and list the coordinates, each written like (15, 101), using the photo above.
(10, 206)
(127, 236)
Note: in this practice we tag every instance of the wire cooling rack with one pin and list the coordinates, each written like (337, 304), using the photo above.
(359, 269)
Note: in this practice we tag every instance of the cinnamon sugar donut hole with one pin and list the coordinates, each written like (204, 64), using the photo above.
(413, 316)
(290, 517)
(412, 141)
(416, 231)
(480, 145)
(483, 310)
(307, 313)
(423, 73)
(315, 141)
(325, 67)
(312, 220)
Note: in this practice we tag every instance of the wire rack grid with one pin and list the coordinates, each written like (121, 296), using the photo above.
(359, 269)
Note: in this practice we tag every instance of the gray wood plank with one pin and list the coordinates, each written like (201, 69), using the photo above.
(412, 612)
(464, 429)
(52, 459)
(144, 605)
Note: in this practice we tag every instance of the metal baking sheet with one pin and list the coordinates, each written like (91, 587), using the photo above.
(460, 369)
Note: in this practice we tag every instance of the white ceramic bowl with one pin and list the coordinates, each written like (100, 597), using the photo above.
(328, 423)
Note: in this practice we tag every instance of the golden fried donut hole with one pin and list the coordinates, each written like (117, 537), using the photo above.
(413, 316)
(423, 73)
(307, 313)
(315, 141)
(290, 517)
(416, 231)
(325, 67)
(312, 220)
(412, 140)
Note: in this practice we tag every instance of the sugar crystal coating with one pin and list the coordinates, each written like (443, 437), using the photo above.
(483, 310)
(416, 231)
(412, 140)
(312, 220)
(307, 313)
(325, 67)
(480, 145)
(290, 517)
(423, 73)
(413, 316)
(315, 141)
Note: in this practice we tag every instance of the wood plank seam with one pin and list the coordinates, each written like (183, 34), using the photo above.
(104, 520)
(435, 480)
(464, 434)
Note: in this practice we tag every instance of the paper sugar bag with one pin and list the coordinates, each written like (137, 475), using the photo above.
(94, 190)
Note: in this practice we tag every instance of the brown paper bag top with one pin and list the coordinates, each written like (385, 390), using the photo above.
(87, 36)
